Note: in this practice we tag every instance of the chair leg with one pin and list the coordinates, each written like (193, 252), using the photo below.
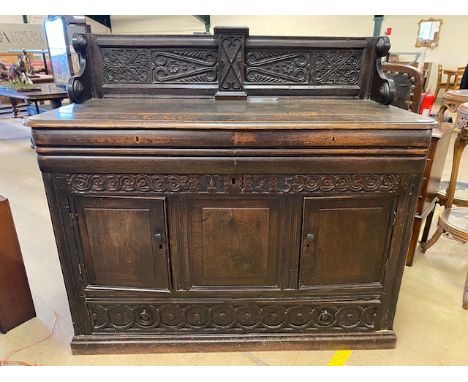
(427, 225)
(465, 293)
(425, 246)
(413, 241)
(437, 91)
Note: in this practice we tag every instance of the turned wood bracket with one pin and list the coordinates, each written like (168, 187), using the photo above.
(230, 64)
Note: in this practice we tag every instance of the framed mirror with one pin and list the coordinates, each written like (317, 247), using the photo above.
(428, 33)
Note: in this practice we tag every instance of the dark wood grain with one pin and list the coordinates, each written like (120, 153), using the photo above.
(186, 223)
(16, 304)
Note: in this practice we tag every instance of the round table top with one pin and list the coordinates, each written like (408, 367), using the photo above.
(458, 96)
(456, 219)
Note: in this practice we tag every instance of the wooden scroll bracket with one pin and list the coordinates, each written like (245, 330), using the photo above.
(79, 87)
(231, 47)
(383, 88)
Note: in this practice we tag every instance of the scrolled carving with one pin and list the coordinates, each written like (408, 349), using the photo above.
(126, 65)
(383, 46)
(383, 88)
(79, 86)
(335, 67)
(181, 66)
(201, 317)
(244, 184)
(277, 67)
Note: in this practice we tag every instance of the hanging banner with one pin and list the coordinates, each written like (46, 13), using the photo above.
(21, 36)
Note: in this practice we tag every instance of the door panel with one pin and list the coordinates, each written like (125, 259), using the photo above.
(234, 242)
(124, 242)
(344, 240)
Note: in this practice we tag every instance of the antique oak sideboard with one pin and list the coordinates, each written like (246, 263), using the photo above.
(231, 192)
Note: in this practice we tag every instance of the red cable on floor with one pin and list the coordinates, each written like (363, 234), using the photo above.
(6, 360)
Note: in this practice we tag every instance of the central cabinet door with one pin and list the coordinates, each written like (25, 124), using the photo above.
(234, 242)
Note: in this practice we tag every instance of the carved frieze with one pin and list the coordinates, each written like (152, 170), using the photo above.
(232, 317)
(234, 184)
(308, 67)
(277, 67)
(126, 65)
(335, 67)
(140, 65)
(189, 65)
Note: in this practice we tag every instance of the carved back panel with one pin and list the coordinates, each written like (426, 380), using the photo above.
(230, 64)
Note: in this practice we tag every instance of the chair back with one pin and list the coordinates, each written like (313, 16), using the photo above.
(408, 83)
(458, 77)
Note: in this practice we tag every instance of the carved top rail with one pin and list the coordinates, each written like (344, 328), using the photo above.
(229, 64)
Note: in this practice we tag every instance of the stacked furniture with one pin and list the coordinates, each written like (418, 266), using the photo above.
(231, 192)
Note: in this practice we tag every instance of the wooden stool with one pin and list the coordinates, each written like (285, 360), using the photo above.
(454, 221)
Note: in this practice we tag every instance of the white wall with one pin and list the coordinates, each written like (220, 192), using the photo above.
(259, 25)
(452, 50)
(156, 25)
(301, 25)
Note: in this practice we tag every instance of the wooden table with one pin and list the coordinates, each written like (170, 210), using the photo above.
(45, 92)
(452, 99)
(42, 79)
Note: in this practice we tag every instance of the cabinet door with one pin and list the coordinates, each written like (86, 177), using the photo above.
(234, 243)
(345, 240)
(123, 241)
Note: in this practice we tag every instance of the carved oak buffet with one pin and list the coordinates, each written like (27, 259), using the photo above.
(189, 216)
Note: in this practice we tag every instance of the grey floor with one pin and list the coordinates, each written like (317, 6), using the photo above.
(432, 327)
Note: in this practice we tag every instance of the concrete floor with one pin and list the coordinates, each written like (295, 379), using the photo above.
(432, 327)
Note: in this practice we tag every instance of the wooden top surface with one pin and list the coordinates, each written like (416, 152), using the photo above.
(456, 95)
(254, 113)
(43, 92)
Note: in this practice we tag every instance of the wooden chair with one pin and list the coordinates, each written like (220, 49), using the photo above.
(408, 83)
(453, 221)
(458, 77)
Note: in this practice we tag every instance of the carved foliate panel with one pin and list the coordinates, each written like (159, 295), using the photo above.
(129, 65)
(335, 67)
(211, 317)
(189, 65)
(234, 184)
(140, 65)
(277, 67)
(308, 67)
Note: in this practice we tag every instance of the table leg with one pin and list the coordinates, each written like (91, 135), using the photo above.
(56, 103)
(14, 103)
